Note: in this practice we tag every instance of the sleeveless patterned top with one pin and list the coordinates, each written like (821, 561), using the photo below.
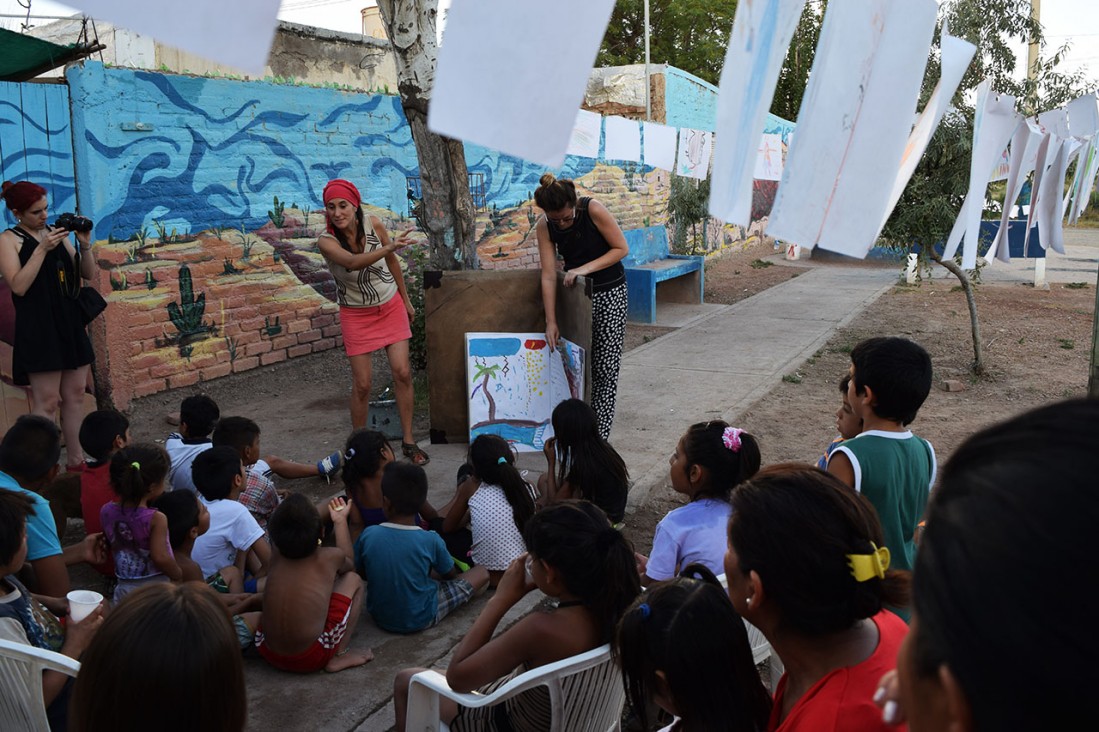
(364, 288)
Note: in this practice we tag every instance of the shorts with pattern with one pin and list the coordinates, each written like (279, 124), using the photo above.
(316, 656)
(218, 583)
(245, 635)
(452, 595)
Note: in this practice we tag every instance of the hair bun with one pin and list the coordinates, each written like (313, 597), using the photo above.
(547, 179)
(5, 185)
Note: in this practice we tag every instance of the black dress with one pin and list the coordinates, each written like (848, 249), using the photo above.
(49, 330)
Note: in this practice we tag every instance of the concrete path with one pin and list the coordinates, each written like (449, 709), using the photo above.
(718, 365)
(718, 361)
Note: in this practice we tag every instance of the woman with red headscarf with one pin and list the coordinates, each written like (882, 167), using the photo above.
(51, 351)
(374, 307)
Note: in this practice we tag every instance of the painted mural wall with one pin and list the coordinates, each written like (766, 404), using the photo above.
(692, 102)
(206, 197)
(35, 145)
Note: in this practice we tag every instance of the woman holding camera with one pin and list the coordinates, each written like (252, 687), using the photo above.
(51, 351)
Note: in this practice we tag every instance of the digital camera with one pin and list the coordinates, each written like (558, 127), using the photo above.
(71, 222)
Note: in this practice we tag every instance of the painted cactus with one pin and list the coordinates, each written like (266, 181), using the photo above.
(186, 315)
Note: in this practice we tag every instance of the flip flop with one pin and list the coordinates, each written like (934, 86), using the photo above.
(413, 452)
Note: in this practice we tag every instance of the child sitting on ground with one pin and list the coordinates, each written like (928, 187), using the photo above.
(575, 556)
(31, 620)
(137, 533)
(197, 416)
(496, 503)
(397, 558)
(102, 434)
(581, 464)
(233, 533)
(313, 597)
(709, 461)
(847, 424)
(365, 456)
(188, 519)
(682, 645)
(260, 496)
(29, 452)
(890, 379)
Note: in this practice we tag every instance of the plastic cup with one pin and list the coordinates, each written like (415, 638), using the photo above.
(81, 604)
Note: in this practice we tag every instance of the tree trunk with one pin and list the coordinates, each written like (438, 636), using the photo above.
(446, 208)
(951, 266)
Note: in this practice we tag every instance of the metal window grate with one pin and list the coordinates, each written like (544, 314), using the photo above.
(476, 182)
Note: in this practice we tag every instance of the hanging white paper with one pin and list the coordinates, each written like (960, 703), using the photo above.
(238, 33)
(1048, 216)
(994, 124)
(956, 55)
(1086, 171)
(528, 109)
(1089, 182)
(768, 158)
(585, 134)
(659, 145)
(623, 140)
(1054, 127)
(1083, 116)
(695, 147)
(1002, 167)
(854, 124)
(1083, 121)
(753, 59)
(1024, 150)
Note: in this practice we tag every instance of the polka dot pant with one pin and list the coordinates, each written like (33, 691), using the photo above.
(608, 333)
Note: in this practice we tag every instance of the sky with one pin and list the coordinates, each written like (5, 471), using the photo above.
(1075, 21)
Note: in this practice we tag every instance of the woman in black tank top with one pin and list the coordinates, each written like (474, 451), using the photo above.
(587, 236)
(50, 348)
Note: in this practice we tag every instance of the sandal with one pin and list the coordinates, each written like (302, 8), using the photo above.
(415, 455)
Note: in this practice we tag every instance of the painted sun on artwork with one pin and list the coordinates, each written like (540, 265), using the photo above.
(514, 380)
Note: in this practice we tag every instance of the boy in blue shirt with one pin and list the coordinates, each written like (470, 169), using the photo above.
(400, 561)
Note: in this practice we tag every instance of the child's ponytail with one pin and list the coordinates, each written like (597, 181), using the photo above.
(595, 561)
(493, 462)
(620, 583)
(362, 456)
(687, 629)
(729, 454)
(135, 469)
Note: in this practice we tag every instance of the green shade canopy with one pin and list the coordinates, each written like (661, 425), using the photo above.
(25, 57)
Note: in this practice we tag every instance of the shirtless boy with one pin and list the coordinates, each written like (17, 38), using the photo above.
(313, 597)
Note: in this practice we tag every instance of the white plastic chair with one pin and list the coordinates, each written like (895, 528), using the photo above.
(21, 667)
(586, 694)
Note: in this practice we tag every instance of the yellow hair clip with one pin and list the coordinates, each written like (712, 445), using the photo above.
(868, 566)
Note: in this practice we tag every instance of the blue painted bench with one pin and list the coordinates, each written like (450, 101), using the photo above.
(649, 264)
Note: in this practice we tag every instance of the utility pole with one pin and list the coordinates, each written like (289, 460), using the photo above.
(648, 101)
(1032, 75)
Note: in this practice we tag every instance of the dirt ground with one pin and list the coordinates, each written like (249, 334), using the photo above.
(1037, 345)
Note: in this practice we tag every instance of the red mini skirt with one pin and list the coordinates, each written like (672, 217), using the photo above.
(366, 330)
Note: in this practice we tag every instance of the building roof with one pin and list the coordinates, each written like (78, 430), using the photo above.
(24, 57)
